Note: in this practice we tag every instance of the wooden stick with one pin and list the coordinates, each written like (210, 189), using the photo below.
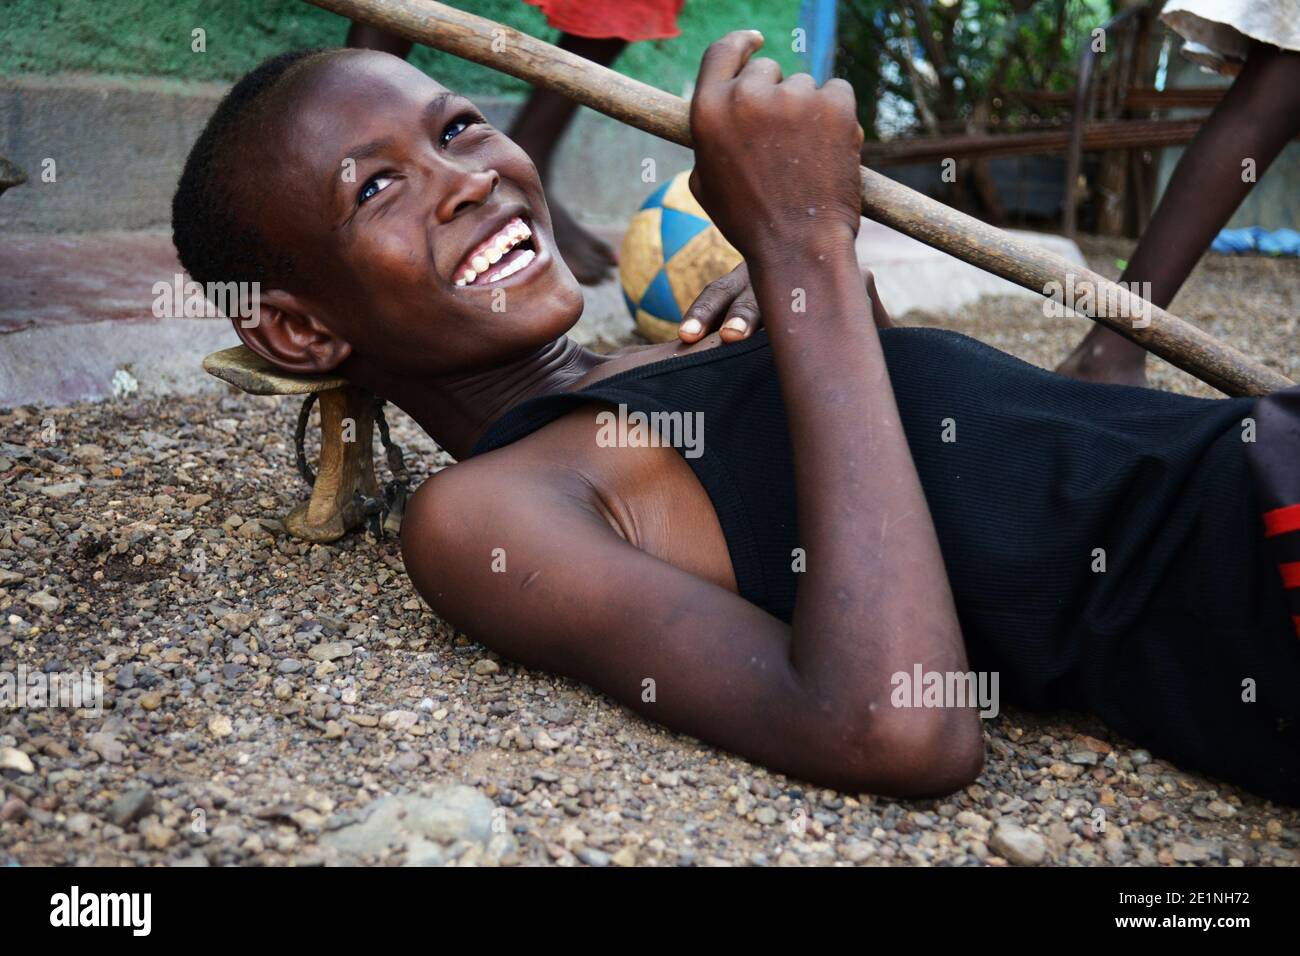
(541, 64)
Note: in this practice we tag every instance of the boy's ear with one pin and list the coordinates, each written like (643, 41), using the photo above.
(285, 332)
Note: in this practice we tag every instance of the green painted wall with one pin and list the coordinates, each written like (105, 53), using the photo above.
(153, 37)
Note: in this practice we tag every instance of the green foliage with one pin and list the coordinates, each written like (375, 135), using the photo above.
(944, 66)
(152, 38)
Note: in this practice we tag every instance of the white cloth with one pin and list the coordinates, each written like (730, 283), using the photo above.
(1217, 33)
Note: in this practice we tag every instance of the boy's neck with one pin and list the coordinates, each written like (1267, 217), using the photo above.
(456, 410)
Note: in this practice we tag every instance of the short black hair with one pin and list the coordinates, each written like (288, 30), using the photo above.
(213, 236)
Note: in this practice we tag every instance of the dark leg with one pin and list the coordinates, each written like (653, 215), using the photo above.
(1256, 118)
(366, 37)
(538, 129)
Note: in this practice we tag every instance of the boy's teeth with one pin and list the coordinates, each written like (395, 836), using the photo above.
(524, 258)
(491, 253)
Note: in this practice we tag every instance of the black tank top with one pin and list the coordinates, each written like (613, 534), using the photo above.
(1103, 543)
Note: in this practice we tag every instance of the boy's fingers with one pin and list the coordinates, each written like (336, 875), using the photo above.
(713, 304)
(763, 69)
(742, 318)
(878, 310)
(725, 57)
(709, 308)
(800, 81)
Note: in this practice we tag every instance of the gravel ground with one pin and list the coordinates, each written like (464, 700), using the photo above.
(1251, 302)
(271, 702)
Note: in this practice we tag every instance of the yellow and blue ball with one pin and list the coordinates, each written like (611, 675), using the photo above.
(671, 251)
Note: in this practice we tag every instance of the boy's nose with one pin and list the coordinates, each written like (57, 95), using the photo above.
(467, 189)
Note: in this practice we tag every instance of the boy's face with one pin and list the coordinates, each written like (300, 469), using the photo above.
(389, 191)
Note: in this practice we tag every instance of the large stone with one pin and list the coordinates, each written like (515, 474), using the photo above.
(425, 827)
(11, 758)
(156, 836)
(109, 748)
(131, 806)
(220, 726)
(1192, 852)
(62, 489)
(45, 601)
(330, 651)
(1018, 845)
(399, 721)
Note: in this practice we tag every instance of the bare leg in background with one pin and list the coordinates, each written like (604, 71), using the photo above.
(1256, 118)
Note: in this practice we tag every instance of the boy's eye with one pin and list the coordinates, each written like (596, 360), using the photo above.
(373, 187)
(455, 128)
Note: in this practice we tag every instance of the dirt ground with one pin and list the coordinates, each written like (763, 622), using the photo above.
(272, 702)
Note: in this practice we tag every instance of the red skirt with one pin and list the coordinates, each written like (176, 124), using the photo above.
(629, 20)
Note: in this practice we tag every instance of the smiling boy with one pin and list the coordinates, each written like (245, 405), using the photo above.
(869, 500)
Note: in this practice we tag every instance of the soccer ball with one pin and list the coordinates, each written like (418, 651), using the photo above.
(671, 251)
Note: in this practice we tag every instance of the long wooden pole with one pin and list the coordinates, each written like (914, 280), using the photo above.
(662, 114)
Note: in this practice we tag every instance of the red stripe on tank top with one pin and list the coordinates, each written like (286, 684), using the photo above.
(1290, 574)
(1281, 521)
